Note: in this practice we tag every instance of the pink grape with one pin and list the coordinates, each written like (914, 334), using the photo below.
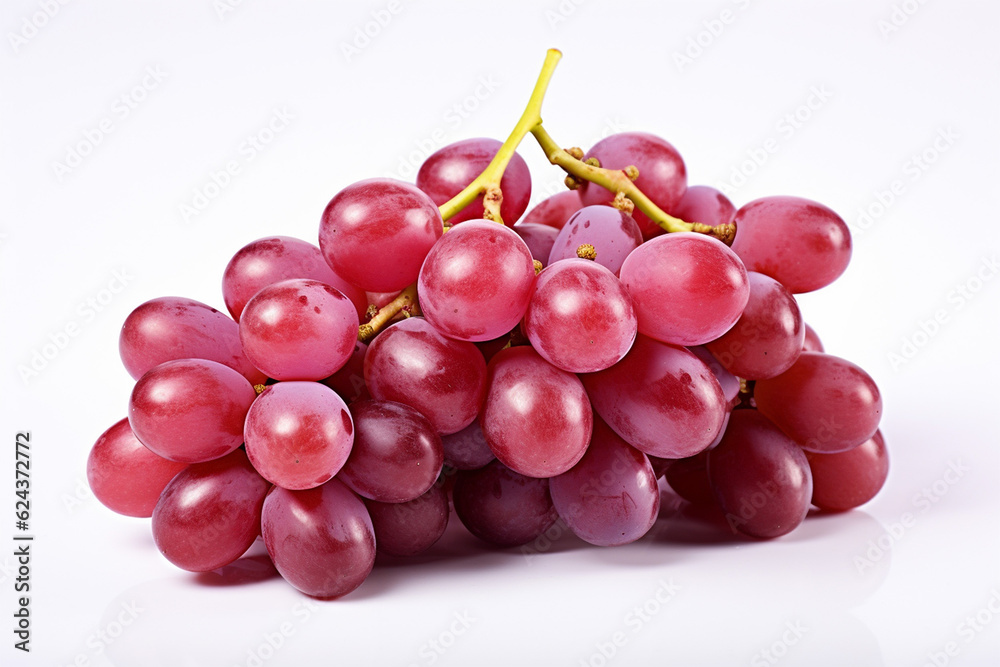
(450, 169)
(812, 343)
(476, 282)
(273, 259)
(768, 337)
(190, 410)
(662, 175)
(126, 476)
(689, 479)
(467, 449)
(397, 454)
(413, 527)
(173, 327)
(299, 329)
(580, 317)
(349, 381)
(538, 238)
(442, 378)
(760, 477)
(298, 434)
(536, 418)
(503, 507)
(613, 233)
(661, 399)
(800, 243)
(321, 540)
(705, 204)
(610, 496)
(209, 514)
(554, 211)
(688, 288)
(376, 233)
(846, 480)
(825, 403)
(729, 383)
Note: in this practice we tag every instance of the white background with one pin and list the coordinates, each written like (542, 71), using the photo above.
(887, 81)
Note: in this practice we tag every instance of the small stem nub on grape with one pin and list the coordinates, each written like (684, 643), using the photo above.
(571, 182)
(586, 251)
(492, 200)
(372, 311)
(576, 152)
(632, 172)
(366, 332)
(538, 266)
(623, 203)
(259, 388)
(593, 162)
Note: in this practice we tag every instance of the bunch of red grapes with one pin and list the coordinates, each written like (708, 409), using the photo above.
(364, 387)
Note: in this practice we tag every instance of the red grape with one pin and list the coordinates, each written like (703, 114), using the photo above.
(688, 288)
(376, 233)
(613, 233)
(554, 211)
(467, 449)
(190, 410)
(689, 478)
(298, 434)
(125, 475)
(812, 343)
(209, 514)
(450, 169)
(538, 238)
(476, 281)
(705, 204)
(410, 528)
(321, 540)
(299, 329)
(846, 480)
(536, 418)
(442, 378)
(349, 381)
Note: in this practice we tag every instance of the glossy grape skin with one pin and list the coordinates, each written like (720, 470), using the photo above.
(276, 258)
(349, 381)
(321, 540)
(610, 496)
(126, 476)
(190, 410)
(662, 174)
(760, 477)
(729, 383)
(172, 327)
(538, 238)
(467, 449)
(846, 480)
(661, 399)
(536, 418)
(397, 454)
(824, 403)
(375, 233)
(502, 507)
(812, 343)
(554, 211)
(442, 378)
(209, 514)
(689, 479)
(476, 281)
(580, 317)
(705, 204)
(688, 288)
(299, 329)
(298, 434)
(798, 242)
(410, 528)
(447, 171)
(768, 337)
(613, 233)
